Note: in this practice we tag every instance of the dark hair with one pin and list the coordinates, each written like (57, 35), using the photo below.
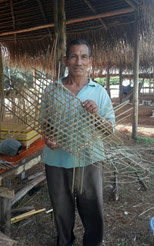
(77, 42)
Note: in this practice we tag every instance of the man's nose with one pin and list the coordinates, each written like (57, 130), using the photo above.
(78, 61)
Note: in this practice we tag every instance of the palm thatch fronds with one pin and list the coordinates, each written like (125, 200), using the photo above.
(111, 37)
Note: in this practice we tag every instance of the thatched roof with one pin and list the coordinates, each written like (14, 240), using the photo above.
(27, 28)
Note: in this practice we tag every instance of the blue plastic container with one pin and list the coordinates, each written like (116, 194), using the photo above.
(152, 224)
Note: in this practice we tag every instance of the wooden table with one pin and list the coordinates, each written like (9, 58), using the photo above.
(17, 165)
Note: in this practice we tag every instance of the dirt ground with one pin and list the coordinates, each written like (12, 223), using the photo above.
(126, 220)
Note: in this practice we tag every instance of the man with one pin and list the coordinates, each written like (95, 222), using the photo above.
(60, 163)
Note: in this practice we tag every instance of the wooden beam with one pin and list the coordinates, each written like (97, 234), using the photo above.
(44, 17)
(131, 4)
(5, 192)
(5, 205)
(94, 11)
(60, 33)
(30, 162)
(1, 85)
(136, 77)
(22, 209)
(120, 82)
(108, 79)
(103, 15)
(136, 1)
(26, 215)
(13, 19)
(27, 187)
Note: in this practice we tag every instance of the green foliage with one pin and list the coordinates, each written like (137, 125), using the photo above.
(113, 80)
(146, 81)
(101, 81)
(145, 140)
(17, 76)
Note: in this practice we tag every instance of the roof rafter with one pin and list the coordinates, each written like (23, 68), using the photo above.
(13, 19)
(103, 15)
(131, 4)
(93, 10)
(43, 14)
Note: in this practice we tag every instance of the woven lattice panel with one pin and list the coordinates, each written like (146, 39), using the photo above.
(54, 112)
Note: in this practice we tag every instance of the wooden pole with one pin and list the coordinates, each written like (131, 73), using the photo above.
(108, 79)
(150, 86)
(131, 4)
(94, 11)
(34, 78)
(93, 17)
(5, 205)
(120, 82)
(1, 85)
(60, 33)
(26, 188)
(136, 77)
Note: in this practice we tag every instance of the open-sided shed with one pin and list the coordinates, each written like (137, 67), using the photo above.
(27, 27)
(116, 30)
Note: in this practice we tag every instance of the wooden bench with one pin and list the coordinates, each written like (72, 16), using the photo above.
(16, 166)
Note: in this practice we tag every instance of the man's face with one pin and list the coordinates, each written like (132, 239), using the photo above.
(78, 62)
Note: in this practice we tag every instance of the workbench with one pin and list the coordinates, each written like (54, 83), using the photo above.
(9, 168)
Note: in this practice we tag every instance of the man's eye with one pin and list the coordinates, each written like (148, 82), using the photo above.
(73, 56)
(85, 57)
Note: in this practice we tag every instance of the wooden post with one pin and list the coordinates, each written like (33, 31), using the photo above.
(71, 21)
(5, 205)
(136, 77)
(1, 85)
(108, 79)
(60, 33)
(150, 85)
(130, 81)
(120, 82)
(34, 78)
(93, 72)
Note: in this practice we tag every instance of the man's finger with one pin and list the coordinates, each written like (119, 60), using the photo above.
(85, 103)
(51, 144)
(91, 107)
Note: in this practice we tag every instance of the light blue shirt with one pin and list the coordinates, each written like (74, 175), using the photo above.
(62, 158)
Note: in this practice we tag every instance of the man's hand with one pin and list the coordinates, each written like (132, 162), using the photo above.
(90, 106)
(51, 144)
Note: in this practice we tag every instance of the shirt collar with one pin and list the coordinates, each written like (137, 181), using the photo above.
(92, 83)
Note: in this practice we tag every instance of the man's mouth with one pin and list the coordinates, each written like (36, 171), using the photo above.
(78, 68)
